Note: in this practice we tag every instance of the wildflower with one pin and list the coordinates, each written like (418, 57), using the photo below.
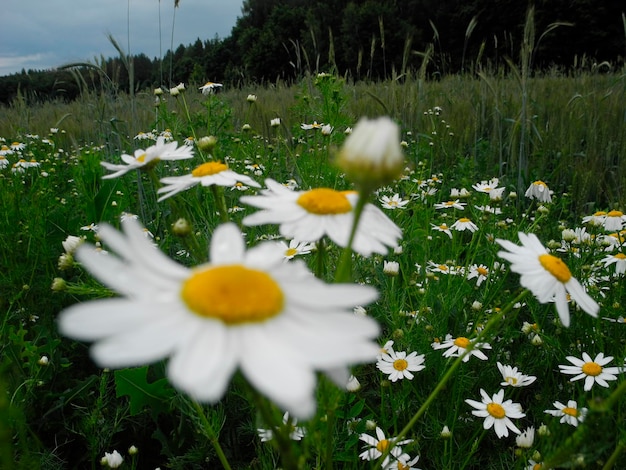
(327, 129)
(489, 209)
(353, 384)
(379, 444)
(596, 219)
(43, 361)
(497, 413)
(308, 127)
(569, 414)
(71, 243)
(397, 365)
(244, 310)
(18, 146)
(456, 347)
(445, 433)
(480, 272)
(618, 259)
(210, 87)
(91, 227)
(391, 268)
(309, 215)
(593, 371)
(58, 283)
(149, 156)
(296, 433)
(614, 221)
(464, 224)
(442, 228)
(404, 462)
(487, 186)
(4, 162)
(371, 155)
(533, 465)
(539, 190)
(496, 194)
(393, 202)
(451, 205)
(132, 450)
(295, 248)
(174, 91)
(251, 98)
(546, 276)
(526, 439)
(112, 460)
(275, 122)
(206, 174)
(511, 376)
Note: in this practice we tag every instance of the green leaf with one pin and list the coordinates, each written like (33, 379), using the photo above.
(141, 393)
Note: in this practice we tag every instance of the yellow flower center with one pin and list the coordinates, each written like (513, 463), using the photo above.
(443, 227)
(324, 201)
(482, 271)
(592, 368)
(511, 380)
(401, 466)
(382, 445)
(208, 169)
(556, 267)
(570, 411)
(539, 183)
(538, 466)
(234, 294)
(462, 342)
(400, 364)
(291, 252)
(450, 203)
(442, 267)
(620, 256)
(496, 410)
(142, 158)
(615, 214)
(464, 220)
(599, 213)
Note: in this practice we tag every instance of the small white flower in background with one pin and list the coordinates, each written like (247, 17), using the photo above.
(455, 204)
(275, 122)
(91, 228)
(142, 158)
(618, 259)
(569, 413)
(445, 432)
(376, 446)
(314, 125)
(496, 194)
(479, 272)
(511, 376)
(43, 361)
(391, 268)
(464, 224)
(397, 365)
(244, 310)
(112, 460)
(327, 129)
(614, 221)
(353, 384)
(487, 186)
(371, 155)
(71, 243)
(442, 228)
(296, 433)
(251, 98)
(526, 439)
(596, 219)
(210, 87)
(295, 248)
(546, 276)
(404, 462)
(497, 413)
(4, 162)
(455, 347)
(539, 190)
(393, 202)
(592, 370)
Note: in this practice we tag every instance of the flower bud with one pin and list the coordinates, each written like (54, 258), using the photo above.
(207, 143)
(181, 228)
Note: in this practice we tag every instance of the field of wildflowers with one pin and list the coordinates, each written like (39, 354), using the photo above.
(242, 284)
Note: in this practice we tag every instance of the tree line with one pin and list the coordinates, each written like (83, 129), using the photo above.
(364, 40)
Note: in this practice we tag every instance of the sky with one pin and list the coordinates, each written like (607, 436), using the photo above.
(43, 34)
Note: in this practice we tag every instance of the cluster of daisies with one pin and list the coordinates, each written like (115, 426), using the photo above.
(16, 150)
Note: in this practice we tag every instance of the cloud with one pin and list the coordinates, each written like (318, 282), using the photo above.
(12, 64)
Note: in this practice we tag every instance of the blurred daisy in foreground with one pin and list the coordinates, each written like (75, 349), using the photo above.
(592, 370)
(569, 413)
(207, 174)
(244, 310)
(309, 215)
(397, 365)
(379, 444)
(511, 376)
(455, 347)
(144, 158)
(296, 433)
(497, 413)
(393, 202)
(539, 190)
(546, 276)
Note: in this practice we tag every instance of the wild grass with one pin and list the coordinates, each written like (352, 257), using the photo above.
(64, 412)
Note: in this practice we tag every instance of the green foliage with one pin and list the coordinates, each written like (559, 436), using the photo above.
(155, 395)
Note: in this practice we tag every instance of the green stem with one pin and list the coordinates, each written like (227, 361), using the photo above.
(220, 200)
(320, 268)
(210, 433)
(344, 269)
(450, 372)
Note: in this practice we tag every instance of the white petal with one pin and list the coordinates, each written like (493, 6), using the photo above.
(227, 245)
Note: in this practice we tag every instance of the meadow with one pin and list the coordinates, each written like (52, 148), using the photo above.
(478, 366)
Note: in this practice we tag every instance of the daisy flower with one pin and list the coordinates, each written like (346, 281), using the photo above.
(18, 146)
(569, 414)
(308, 127)
(497, 413)
(404, 462)
(511, 376)
(614, 221)
(393, 202)
(112, 459)
(534, 465)
(539, 190)
(295, 248)
(4, 162)
(244, 310)
(210, 87)
(487, 186)
(526, 439)
(296, 433)
(464, 224)
(546, 276)
(618, 259)
(478, 271)
(593, 371)
(379, 444)
(596, 219)
(397, 365)
(456, 347)
(309, 215)
(206, 174)
(489, 209)
(451, 205)
(142, 158)
(442, 228)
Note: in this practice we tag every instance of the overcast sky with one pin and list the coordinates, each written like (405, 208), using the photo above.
(41, 34)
